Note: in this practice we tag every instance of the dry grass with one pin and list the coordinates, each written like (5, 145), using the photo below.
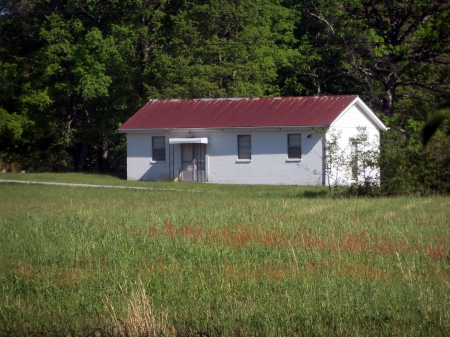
(140, 319)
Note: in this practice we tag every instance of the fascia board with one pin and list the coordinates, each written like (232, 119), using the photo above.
(371, 115)
(271, 128)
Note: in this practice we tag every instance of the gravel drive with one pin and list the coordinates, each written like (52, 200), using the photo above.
(90, 185)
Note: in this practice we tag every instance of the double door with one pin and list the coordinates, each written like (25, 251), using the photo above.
(193, 162)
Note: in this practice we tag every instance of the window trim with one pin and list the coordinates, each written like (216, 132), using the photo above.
(239, 147)
(153, 150)
(289, 147)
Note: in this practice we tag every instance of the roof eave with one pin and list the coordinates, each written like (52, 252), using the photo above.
(257, 128)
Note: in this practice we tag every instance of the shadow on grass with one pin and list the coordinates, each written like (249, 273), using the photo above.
(119, 175)
(312, 194)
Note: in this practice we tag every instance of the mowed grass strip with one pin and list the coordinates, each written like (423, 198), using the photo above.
(119, 180)
(244, 260)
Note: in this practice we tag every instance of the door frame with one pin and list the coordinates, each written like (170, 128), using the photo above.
(198, 156)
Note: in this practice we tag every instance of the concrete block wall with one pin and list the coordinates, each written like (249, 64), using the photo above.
(269, 163)
(140, 165)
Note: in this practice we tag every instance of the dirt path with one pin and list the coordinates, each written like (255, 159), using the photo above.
(91, 185)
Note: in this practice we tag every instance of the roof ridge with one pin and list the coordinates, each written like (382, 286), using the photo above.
(246, 98)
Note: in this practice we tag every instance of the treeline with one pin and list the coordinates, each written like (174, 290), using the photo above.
(73, 70)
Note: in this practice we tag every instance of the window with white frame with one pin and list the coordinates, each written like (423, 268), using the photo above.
(294, 146)
(354, 162)
(159, 148)
(244, 147)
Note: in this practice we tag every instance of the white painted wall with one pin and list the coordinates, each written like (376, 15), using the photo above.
(140, 165)
(269, 163)
(347, 125)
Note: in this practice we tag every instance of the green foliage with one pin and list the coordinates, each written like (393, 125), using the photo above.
(365, 164)
(12, 124)
(410, 168)
(221, 49)
(336, 161)
(434, 122)
(352, 166)
(72, 70)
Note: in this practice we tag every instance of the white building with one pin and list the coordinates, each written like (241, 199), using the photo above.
(241, 140)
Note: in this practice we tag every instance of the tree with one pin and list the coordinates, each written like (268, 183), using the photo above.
(364, 162)
(336, 161)
(321, 65)
(220, 49)
(351, 163)
(394, 50)
(80, 75)
(398, 47)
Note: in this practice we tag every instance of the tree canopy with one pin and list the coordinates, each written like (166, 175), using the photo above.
(73, 70)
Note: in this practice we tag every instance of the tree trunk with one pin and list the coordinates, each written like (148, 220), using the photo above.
(79, 151)
(72, 112)
(77, 148)
(103, 155)
(387, 102)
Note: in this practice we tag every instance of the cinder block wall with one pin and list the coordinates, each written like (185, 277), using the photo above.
(269, 163)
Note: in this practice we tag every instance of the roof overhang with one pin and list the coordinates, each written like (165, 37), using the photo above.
(239, 113)
(203, 140)
(241, 128)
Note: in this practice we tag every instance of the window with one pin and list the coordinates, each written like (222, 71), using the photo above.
(294, 146)
(244, 147)
(159, 148)
(354, 163)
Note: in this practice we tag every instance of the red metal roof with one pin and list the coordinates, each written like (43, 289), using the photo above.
(238, 112)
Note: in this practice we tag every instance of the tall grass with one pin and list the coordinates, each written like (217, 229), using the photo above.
(231, 260)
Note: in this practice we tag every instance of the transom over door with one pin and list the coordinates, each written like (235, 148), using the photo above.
(193, 162)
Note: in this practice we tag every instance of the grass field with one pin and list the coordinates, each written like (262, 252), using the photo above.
(217, 260)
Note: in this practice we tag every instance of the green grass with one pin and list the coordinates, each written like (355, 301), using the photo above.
(118, 180)
(230, 260)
